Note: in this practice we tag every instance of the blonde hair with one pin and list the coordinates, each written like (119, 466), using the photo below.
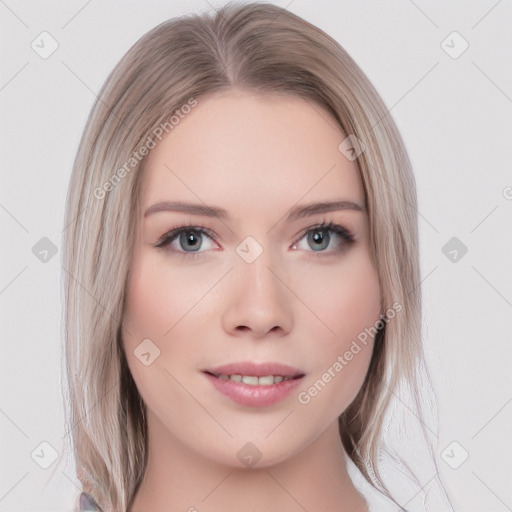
(262, 48)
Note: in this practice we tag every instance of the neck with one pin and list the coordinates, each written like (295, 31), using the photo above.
(180, 479)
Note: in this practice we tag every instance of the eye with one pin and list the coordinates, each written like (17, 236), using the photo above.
(187, 240)
(194, 240)
(324, 236)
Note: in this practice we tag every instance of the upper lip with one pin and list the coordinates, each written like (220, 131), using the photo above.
(255, 369)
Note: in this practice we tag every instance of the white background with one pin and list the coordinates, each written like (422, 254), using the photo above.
(456, 119)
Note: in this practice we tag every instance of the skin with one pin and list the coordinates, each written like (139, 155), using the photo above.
(257, 156)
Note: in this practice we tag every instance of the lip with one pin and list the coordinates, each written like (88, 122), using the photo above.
(255, 396)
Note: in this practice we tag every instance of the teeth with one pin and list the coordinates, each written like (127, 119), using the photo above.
(252, 380)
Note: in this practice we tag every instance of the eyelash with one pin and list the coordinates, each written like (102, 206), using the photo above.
(326, 226)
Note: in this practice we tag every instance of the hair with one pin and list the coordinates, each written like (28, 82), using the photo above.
(263, 49)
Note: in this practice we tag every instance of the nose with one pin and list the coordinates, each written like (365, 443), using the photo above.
(258, 303)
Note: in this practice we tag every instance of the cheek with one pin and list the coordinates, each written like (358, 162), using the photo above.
(158, 305)
(164, 306)
(347, 298)
(159, 296)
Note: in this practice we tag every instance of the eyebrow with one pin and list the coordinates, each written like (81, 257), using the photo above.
(295, 213)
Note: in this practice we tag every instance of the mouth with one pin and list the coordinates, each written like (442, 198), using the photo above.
(254, 380)
(255, 385)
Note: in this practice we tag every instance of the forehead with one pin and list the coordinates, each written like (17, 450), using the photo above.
(254, 153)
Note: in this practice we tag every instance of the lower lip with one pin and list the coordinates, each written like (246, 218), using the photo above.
(254, 396)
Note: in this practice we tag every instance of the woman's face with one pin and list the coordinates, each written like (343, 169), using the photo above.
(254, 280)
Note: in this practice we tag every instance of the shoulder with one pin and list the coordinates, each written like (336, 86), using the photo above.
(86, 503)
(376, 501)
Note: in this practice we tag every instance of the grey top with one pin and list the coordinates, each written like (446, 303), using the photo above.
(87, 504)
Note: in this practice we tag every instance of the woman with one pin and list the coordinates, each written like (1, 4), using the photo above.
(242, 276)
